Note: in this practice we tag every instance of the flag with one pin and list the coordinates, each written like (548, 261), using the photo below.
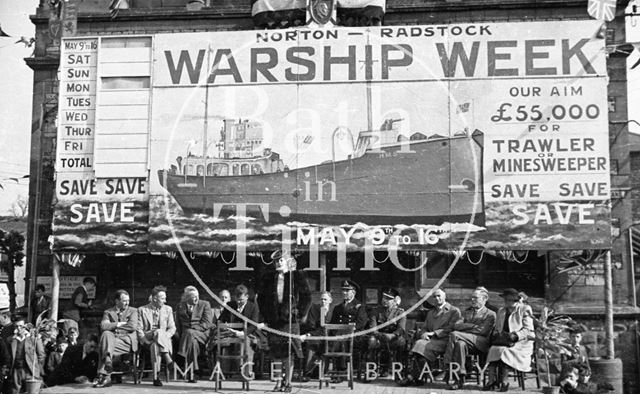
(3, 34)
(636, 46)
(357, 12)
(117, 5)
(278, 13)
(464, 107)
(603, 10)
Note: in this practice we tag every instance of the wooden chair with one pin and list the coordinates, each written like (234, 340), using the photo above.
(337, 350)
(225, 344)
(132, 363)
(522, 376)
(143, 353)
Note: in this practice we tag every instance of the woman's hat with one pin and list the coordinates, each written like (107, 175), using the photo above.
(510, 293)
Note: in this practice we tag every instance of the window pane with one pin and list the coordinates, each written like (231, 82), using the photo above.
(113, 83)
(126, 42)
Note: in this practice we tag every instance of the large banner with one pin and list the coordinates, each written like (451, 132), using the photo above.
(90, 214)
(423, 137)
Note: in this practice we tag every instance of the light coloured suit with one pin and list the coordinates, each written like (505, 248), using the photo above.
(517, 356)
(157, 335)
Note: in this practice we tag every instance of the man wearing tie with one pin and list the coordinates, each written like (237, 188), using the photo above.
(156, 329)
(432, 339)
(314, 326)
(391, 336)
(119, 326)
(470, 335)
(195, 319)
(248, 309)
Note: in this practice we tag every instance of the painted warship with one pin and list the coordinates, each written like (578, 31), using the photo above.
(388, 179)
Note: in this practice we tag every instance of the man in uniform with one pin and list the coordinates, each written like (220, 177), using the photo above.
(119, 326)
(156, 328)
(391, 336)
(350, 310)
(433, 337)
(470, 335)
(195, 319)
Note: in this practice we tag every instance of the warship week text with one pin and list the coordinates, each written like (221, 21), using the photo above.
(385, 61)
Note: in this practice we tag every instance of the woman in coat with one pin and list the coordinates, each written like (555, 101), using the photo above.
(284, 298)
(512, 341)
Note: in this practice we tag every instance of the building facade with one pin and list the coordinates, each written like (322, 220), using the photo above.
(570, 281)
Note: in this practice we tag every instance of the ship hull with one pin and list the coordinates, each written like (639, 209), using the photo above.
(387, 186)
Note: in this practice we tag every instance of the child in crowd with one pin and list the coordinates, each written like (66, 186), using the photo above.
(72, 336)
(55, 357)
(576, 381)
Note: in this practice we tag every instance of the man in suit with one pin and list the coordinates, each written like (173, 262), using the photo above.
(119, 327)
(79, 364)
(433, 337)
(27, 355)
(40, 303)
(248, 309)
(195, 320)
(470, 335)
(319, 314)
(391, 336)
(155, 329)
(225, 297)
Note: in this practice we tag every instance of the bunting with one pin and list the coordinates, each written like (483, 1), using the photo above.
(602, 10)
(361, 12)
(272, 14)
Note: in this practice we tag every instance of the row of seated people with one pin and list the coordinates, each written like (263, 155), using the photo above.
(446, 331)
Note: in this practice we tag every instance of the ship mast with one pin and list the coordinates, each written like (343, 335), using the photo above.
(205, 128)
(368, 78)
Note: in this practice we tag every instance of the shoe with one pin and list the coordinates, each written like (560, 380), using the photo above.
(457, 385)
(286, 388)
(103, 381)
(108, 365)
(157, 382)
(192, 380)
(304, 378)
(491, 386)
(504, 387)
(406, 381)
(440, 376)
